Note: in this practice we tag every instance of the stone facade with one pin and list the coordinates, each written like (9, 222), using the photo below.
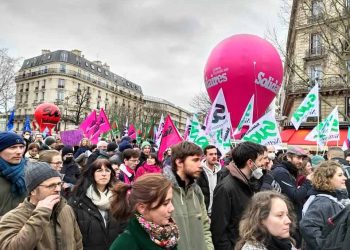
(317, 51)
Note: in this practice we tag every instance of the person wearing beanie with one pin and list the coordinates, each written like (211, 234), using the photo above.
(43, 220)
(145, 152)
(50, 142)
(12, 164)
(70, 168)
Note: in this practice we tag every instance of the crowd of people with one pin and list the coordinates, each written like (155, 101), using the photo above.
(119, 195)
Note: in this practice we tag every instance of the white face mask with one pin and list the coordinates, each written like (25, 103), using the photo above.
(257, 172)
(271, 156)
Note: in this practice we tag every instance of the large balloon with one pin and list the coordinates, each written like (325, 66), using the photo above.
(47, 115)
(243, 65)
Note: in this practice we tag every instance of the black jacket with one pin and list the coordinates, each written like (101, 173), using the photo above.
(231, 197)
(95, 235)
(285, 174)
(203, 183)
(71, 171)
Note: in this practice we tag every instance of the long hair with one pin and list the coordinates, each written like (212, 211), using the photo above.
(251, 228)
(149, 189)
(87, 178)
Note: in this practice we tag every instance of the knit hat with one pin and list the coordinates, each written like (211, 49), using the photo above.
(36, 173)
(296, 150)
(112, 146)
(144, 144)
(49, 140)
(67, 150)
(124, 145)
(316, 160)
(8, 139)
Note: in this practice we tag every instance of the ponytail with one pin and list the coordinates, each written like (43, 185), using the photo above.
(120, 205)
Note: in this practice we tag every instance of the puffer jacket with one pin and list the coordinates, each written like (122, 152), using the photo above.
(320, 207)
(190, 215)
(96, 236)
(28, 227)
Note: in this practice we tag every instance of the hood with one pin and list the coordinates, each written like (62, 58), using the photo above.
(151, 168)
(217, 166)
(234, 171)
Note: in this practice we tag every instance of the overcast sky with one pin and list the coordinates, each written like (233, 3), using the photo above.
(161, 45)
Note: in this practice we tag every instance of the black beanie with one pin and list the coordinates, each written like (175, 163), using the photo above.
(67, 150)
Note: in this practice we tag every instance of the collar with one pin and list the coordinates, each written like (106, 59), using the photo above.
(207, 169)
(181, 182)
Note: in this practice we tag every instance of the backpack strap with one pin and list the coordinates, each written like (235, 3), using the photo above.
(312, 198)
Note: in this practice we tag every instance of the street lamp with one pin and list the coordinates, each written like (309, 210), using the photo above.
(66, 111)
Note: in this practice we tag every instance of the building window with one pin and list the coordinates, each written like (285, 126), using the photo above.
(60, 95)
(44, 83)
(98, 105)
(36, 96)
(20, 98)
(61, 83)
(316, 8)
(62, 68)
(316, 44)
(315, 74)
(347, 105)
(99, 69)
(26, 100)
(92, 66)
(99, 94)
(42, 96)
(64, 56)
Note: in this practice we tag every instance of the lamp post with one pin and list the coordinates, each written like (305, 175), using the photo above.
(66, 111)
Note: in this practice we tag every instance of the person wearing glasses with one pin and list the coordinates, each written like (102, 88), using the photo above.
(54, 158)
(91, 204)
(127, 170)
(43, 220)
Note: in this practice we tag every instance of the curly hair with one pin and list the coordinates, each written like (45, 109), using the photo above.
(323, 175)
(251, 228)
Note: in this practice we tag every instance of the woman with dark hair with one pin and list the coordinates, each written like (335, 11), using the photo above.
(327, 198)
(152, 165)
(148, 202)
(267, 223)
(91, 204)
(304, 171)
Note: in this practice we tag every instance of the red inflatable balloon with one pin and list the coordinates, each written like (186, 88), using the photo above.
(243, 65)
(47, 115)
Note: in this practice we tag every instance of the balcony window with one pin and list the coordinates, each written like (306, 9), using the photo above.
(316, 8)
(316, 44)
(98, 105)
(62, 68)
(42, 96)
(315, 74)
(44, 83)
(60, 83)
(60, 95)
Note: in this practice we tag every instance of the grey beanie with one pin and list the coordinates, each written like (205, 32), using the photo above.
(36, 173)
(50, 140)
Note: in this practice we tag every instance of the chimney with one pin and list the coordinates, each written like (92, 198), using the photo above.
(76, 52)
(106, 66)
(99, 63)
(45, 51)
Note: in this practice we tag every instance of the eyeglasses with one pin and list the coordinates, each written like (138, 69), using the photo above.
(135, 161)
(53, 186)
(57, 163)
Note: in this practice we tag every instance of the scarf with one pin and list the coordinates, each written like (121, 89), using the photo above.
(101, 201)
(274, 243)
(165, 236)
(15, 175)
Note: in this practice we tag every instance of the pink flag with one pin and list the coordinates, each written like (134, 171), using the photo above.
(88, 123)
(132, 131)
(187, 128)
(170, 136)
(101, 126)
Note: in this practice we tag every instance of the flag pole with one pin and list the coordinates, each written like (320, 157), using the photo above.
(318, 116)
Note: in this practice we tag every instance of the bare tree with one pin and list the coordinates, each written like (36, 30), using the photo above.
(8, 67)
(201, 103)
(77, 106)
(329, 46)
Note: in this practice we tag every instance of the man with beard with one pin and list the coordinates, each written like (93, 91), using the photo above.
(285, 173)
(210, 176)
(190, 213)
(12, 165)
(233, 193)
(43, 220)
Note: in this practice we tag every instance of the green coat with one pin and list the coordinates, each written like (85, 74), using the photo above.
(190, 216)
(8, 200)
(135, 238)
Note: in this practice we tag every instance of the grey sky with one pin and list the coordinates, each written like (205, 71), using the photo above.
(161, 45)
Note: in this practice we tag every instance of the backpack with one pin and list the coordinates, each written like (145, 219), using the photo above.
(335, 234)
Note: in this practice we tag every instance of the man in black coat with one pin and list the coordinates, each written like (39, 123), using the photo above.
(232, 195)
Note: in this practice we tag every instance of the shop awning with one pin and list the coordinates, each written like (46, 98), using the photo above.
(297, 137)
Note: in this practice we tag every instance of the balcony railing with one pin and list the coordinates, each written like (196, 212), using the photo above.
(327, 84)
(315, 52)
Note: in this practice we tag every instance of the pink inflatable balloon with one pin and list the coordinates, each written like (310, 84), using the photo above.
(243, 65)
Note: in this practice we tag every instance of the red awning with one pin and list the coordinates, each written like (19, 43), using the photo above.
(297, 137)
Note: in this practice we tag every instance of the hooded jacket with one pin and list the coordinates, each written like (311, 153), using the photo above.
(231, 197)
(147, 169)
(29, 227)
(190, 215)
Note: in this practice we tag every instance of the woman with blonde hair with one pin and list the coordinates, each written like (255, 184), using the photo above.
(267, 223)
(327, 198)
(148, 204)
